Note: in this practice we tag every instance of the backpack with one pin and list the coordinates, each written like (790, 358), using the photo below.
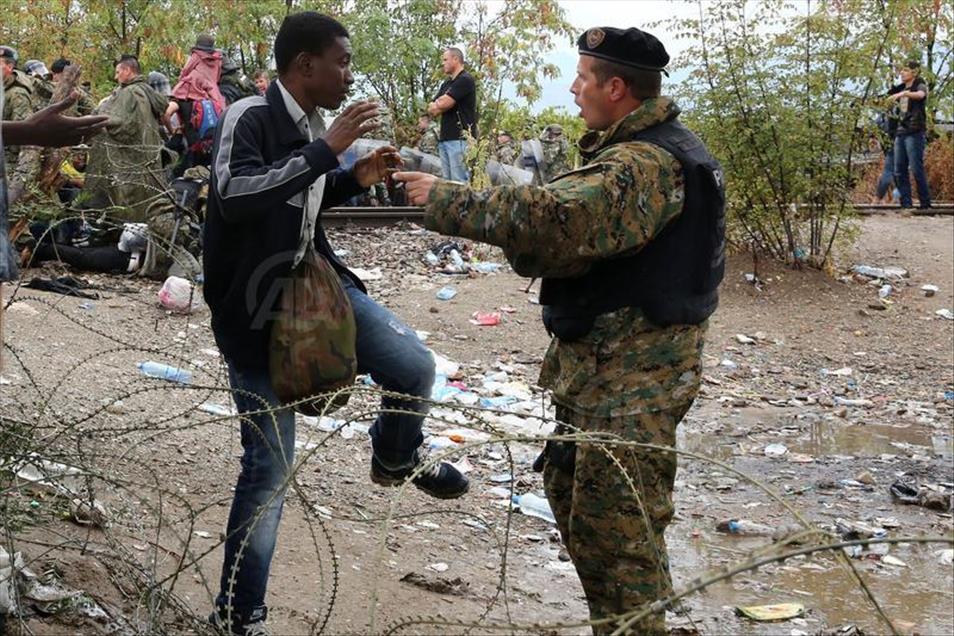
(312, 347)
(205, 117)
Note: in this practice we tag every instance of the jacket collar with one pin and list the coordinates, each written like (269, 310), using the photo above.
(285, 127)
(651, 112)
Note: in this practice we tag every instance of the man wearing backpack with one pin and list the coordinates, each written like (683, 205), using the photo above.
(274, 168)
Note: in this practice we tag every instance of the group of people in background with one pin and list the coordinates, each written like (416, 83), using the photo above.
(903, 129)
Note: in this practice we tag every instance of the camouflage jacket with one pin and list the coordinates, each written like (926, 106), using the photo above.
(507, 153)
(624, 195)
(429, 140)
(17, 106)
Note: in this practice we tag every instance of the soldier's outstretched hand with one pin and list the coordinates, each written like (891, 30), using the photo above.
(50, 127)
(418, 185)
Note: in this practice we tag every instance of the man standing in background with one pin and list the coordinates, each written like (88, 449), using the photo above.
(456, 103)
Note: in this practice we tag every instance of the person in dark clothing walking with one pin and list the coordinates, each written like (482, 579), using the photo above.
(274, 167)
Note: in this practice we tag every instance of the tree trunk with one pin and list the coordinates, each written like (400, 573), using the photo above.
(28, 164)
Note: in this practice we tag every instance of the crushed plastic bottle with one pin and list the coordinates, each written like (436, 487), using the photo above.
(534, 506)
(165, 372)
(446, 293)
(744, 527)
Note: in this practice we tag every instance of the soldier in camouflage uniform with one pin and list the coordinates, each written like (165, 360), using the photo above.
(555, 152)
(627, 303)
(18, 97)
(42, 86)
(507, 151)
(430, 135)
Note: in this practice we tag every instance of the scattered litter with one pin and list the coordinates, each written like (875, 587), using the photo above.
(744, 339)
(438, 567)
(907, 492)
(446, 293)
(885, 291)
(202, 534)
(778, 612)
(947, 314)
(487, 268)
(179, 295)
(891, 273)
(775, 450)
(165, 372)
(216, 409)
(843, 372)
(214, 353)
(456, 586)
(930, 290)
(485, 319)
(368, 274)
(534, 506)
(728, 364)
(945, 557)
(890, 560)
(840, 401)
(86, 306)
(744, 527)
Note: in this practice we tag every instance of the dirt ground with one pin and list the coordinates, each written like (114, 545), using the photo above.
(858, 393)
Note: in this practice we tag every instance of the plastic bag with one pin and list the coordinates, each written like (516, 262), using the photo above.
(179, 295)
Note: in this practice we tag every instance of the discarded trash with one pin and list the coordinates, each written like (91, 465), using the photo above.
(729, 364)
(534, 506)
(744, 527)
(438, 567)
(431, 259)
(885, 291)
(86, 306)
(930, 290)
(486, 319)
(945, 557)
(446, 293)
(216, 409)
(9, 568)
(840, 401)
(892, 273)
(947, 314)
(368, 274)
(487, 268)
(844, 371)
(775, 450)
(178, 294)
(88, 513)
(890, 560)
(744, 339)
(778, 612)
(906, 492)
(165, 372)
(499, 402)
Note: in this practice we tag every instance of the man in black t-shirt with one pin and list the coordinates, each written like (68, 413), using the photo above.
(911, 95)
(456, 103)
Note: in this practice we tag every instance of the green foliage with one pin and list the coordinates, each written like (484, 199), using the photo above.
(783, 99)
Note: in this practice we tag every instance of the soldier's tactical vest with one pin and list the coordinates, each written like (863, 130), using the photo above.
(675, 278)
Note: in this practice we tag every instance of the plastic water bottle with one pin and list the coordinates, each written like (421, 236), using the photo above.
(534, 506)
(165, 372)
(747, 528)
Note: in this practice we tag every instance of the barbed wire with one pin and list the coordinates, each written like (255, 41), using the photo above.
(104, 452)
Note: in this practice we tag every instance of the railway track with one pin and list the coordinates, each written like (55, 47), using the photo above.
(378, 216)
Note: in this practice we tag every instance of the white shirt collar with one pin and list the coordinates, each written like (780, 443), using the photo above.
(297, 113)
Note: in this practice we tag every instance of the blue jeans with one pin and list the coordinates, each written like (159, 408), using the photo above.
(452, 160)
(909, 152)
(886, 180)
(396, 359)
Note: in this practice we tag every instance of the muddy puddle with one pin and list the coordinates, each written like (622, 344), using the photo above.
(742, 431)
(918, 597)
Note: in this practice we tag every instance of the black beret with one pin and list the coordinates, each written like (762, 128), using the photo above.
(630, 47)
(59, 65)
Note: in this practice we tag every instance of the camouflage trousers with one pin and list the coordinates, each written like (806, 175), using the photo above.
(613, 517)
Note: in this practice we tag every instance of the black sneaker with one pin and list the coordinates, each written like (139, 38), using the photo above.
(254, 626)
(441, 480)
